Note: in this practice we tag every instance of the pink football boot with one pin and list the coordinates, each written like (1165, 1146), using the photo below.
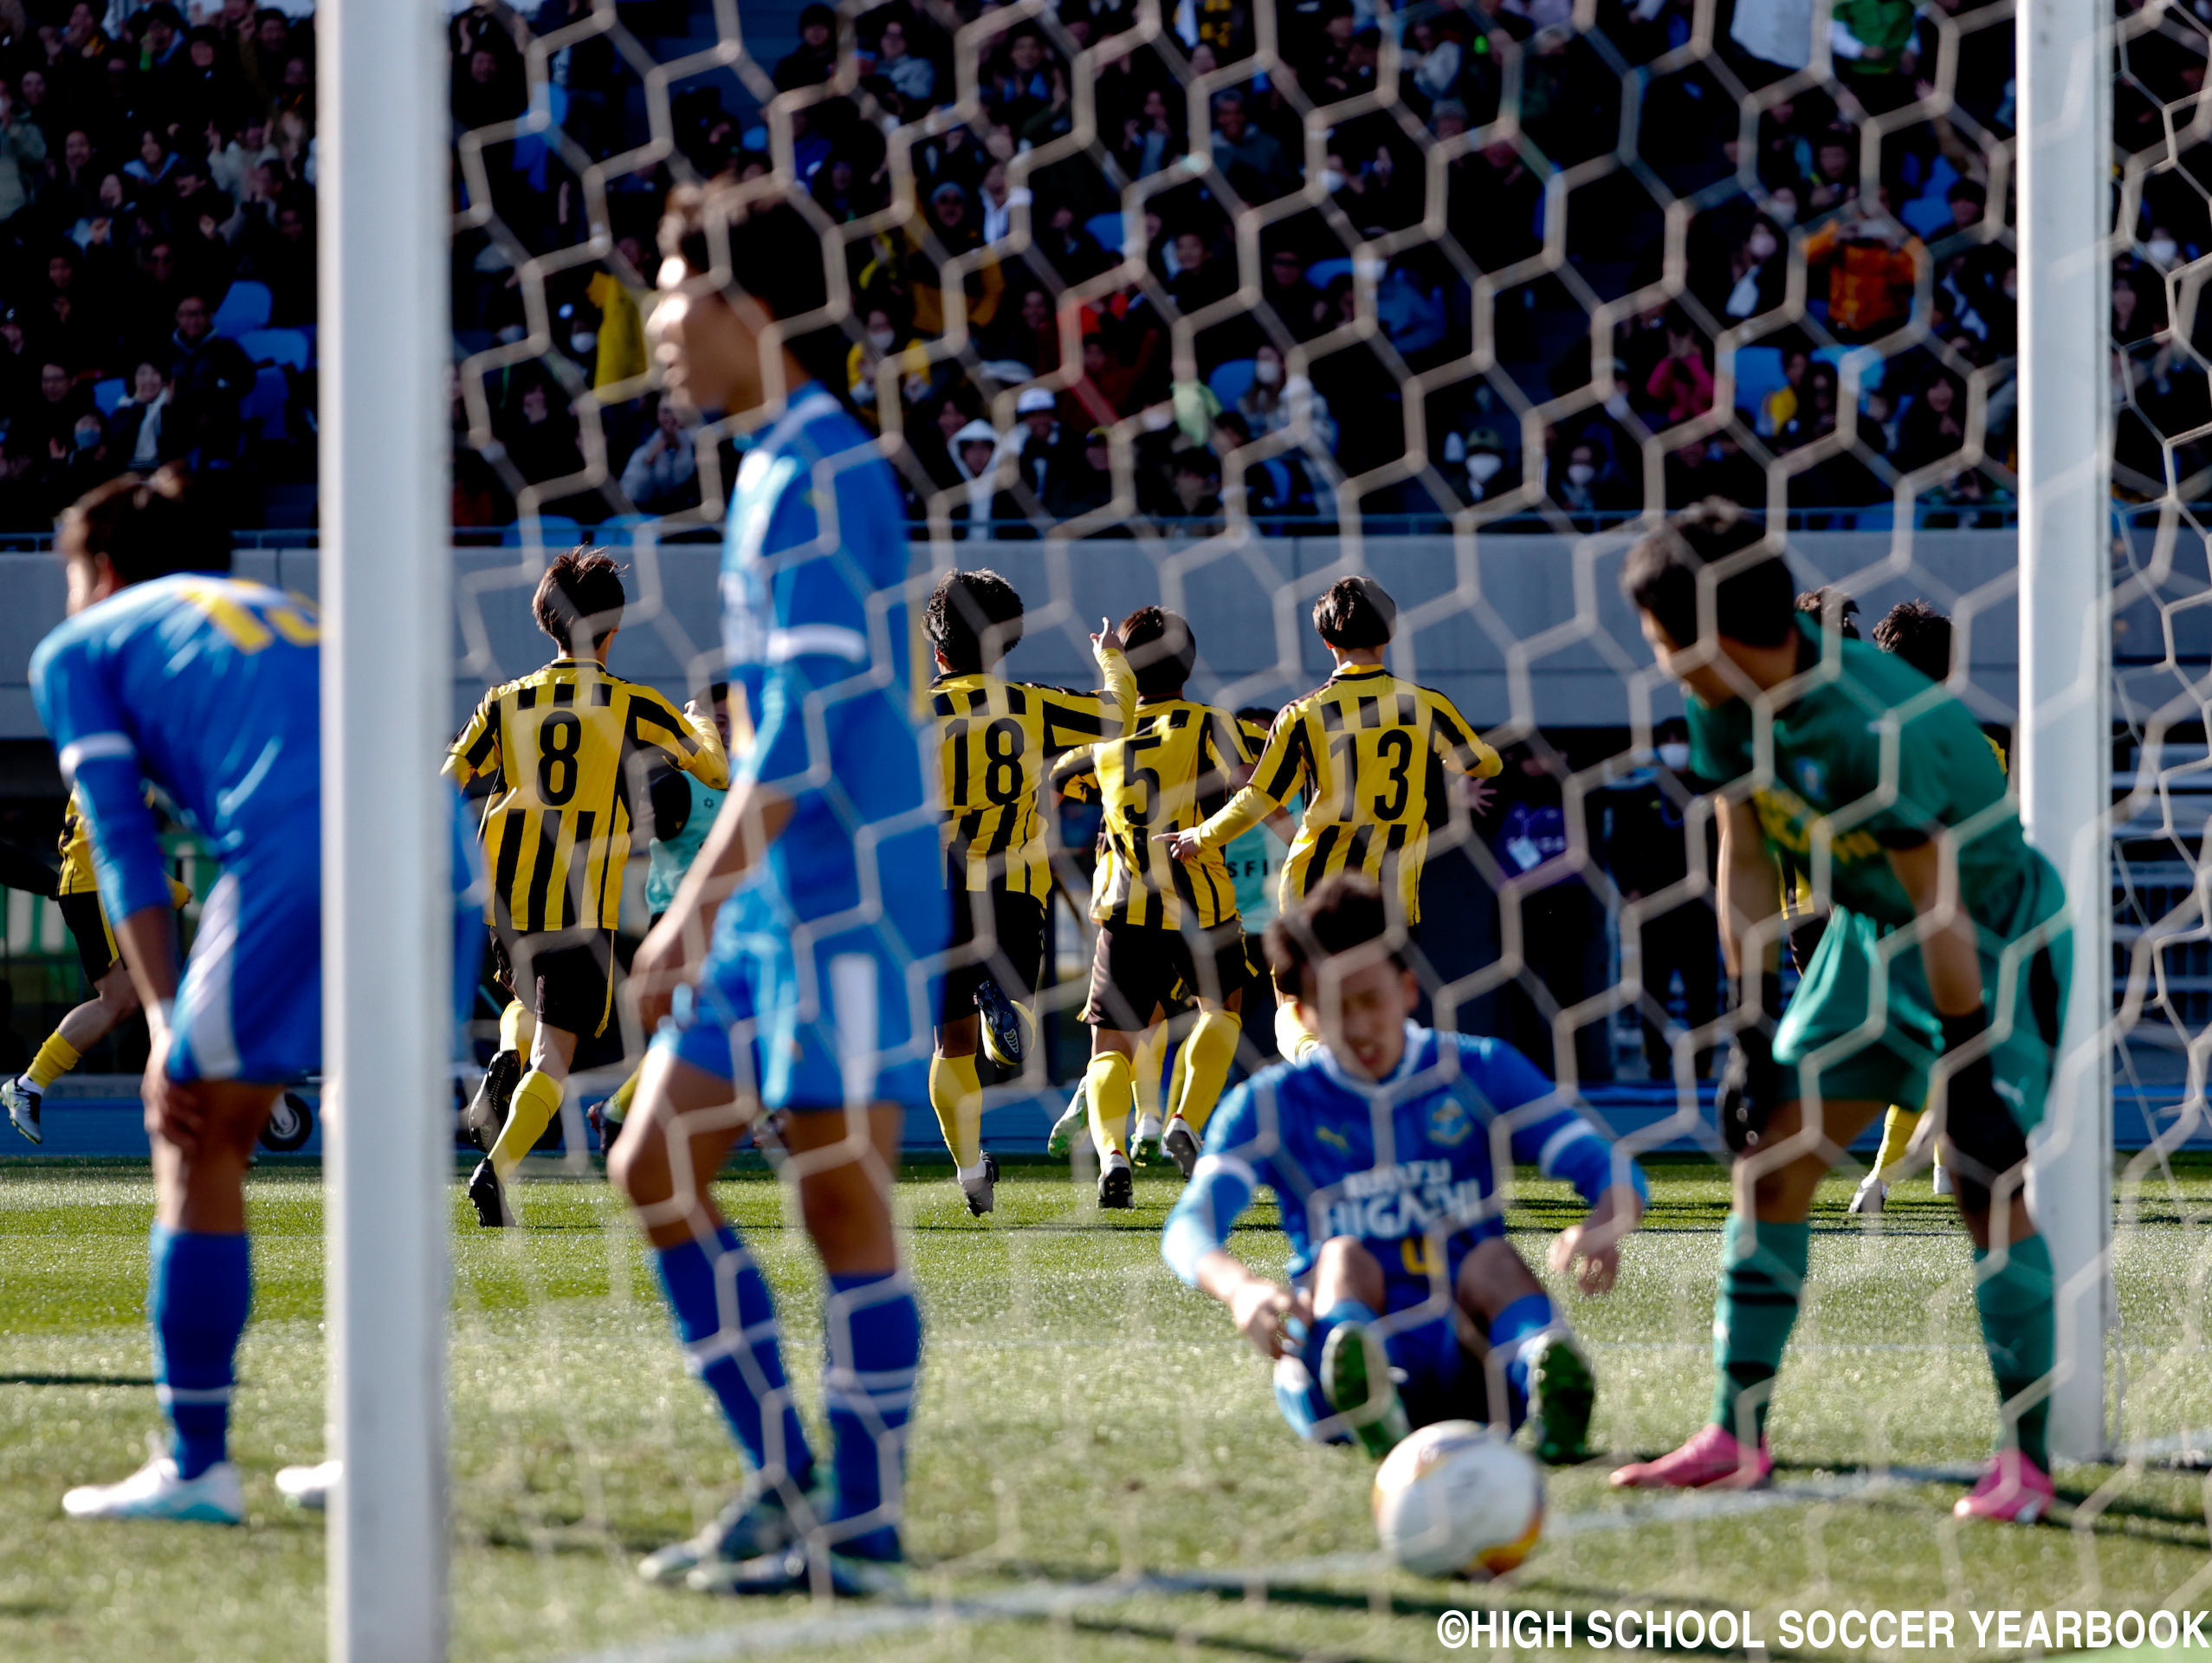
(2014, 1491)
(1714, 1459)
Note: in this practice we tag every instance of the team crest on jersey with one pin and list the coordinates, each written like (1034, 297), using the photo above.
(1448, 1123)
(1812, 780)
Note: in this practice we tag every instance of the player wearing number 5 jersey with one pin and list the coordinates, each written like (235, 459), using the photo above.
(567, 750)
(995, 738)
(1370, 751)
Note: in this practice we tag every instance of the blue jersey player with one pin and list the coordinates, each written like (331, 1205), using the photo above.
(1383, 1146)
(167, 672)
(793, 966)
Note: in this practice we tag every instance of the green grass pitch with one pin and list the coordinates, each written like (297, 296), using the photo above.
(1083, 1419)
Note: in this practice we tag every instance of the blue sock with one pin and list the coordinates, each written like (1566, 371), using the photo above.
(1344, 1310)
(872, 1332)
(1531, 1314)
(198, 1290)
(726, 1321)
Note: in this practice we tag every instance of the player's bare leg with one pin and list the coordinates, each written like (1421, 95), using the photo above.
(114, 1000)
(200, 1280)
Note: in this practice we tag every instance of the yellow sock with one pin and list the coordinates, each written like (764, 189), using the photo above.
(617, 1108)
(55, 1057)
(1209, 1050)
(517, 1027)
(956, 1093)
(1292, 1038)
(1179, 1076)
(536, 1101)
(1107, 1084)
(1898, 1127)
(1144, 1069)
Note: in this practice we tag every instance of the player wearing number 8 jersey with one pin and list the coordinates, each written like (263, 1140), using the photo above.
(1370, 751)
(995, 738)
(566, 749)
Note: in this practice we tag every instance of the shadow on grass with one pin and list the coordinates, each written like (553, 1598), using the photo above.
(76, 1380)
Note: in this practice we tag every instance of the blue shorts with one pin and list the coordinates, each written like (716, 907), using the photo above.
(1437, 1380)
(250, 1006)
(837, 1012)
(713, 1022)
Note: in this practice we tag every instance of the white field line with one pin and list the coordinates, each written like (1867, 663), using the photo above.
(1045, 1599)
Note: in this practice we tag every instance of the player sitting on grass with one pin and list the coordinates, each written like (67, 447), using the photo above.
(1939, 907)
(1384, 1147)
(168, 672)
(567, 748)
(811, 979)
(996, 738)
(1369, 751)
(113, 999)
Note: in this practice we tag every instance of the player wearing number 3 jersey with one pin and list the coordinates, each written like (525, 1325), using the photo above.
(1370, 750)
(566, 750)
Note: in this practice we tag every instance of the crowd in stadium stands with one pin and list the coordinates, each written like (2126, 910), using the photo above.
(157, 171)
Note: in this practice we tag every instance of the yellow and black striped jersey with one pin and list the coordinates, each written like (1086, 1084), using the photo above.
(1168, 774)
(995, 739)
(76, 875)
(567, 748)
(1370, 751)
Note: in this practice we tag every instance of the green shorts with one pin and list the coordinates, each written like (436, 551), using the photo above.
(1863, 1018)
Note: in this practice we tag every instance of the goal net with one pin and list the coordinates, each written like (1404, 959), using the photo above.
(1205, 306)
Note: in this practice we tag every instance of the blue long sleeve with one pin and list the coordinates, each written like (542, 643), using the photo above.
(126, 841)
(1220, 1188)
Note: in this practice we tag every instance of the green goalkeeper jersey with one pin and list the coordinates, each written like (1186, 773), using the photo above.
(1888, 761)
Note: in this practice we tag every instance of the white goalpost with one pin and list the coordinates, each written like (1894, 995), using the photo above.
(387, 910)
(2064, 741)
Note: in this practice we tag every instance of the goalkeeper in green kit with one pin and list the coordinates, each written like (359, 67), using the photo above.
(1945, 963)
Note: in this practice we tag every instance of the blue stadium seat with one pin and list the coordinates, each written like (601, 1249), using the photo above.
(288, 348)
(108, 396)
(1321, 273)
(1868, 362)
(1758, 372)
(1230, 381)
(617, 530)
(1106, 230)
(1929, 216)
(246, 307)
(266, 403)
(555, 531)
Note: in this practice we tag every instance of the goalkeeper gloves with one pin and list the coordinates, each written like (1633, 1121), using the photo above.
(1751, 1085)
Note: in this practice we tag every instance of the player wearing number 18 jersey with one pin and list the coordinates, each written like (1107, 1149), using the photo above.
(995, 738)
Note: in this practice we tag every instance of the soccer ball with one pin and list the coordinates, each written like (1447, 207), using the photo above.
(1454, 1499)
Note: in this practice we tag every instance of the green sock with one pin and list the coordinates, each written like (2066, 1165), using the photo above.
(1762, 1276)
(2019, 1328)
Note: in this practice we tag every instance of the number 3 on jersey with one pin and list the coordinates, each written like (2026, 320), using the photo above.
(1393, 757)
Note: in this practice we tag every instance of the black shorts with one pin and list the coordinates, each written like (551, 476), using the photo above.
(87, 923)
(563, 978)
(996, 935)
(1141, 969)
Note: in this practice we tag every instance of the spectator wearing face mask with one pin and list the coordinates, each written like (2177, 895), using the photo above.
(1583, 481)
(1490, 474)
(975, 451)
(885, 339)
(1277, 399)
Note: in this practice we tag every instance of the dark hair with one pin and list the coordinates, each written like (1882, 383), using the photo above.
(1813, 604)
(1355, 612)
(147, 525)
(774, 255)
(1752, 599)
(1338, 917)
(973, 618)
(581, 590)
(1161, 651)
(1920, 635)
(717, 691)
